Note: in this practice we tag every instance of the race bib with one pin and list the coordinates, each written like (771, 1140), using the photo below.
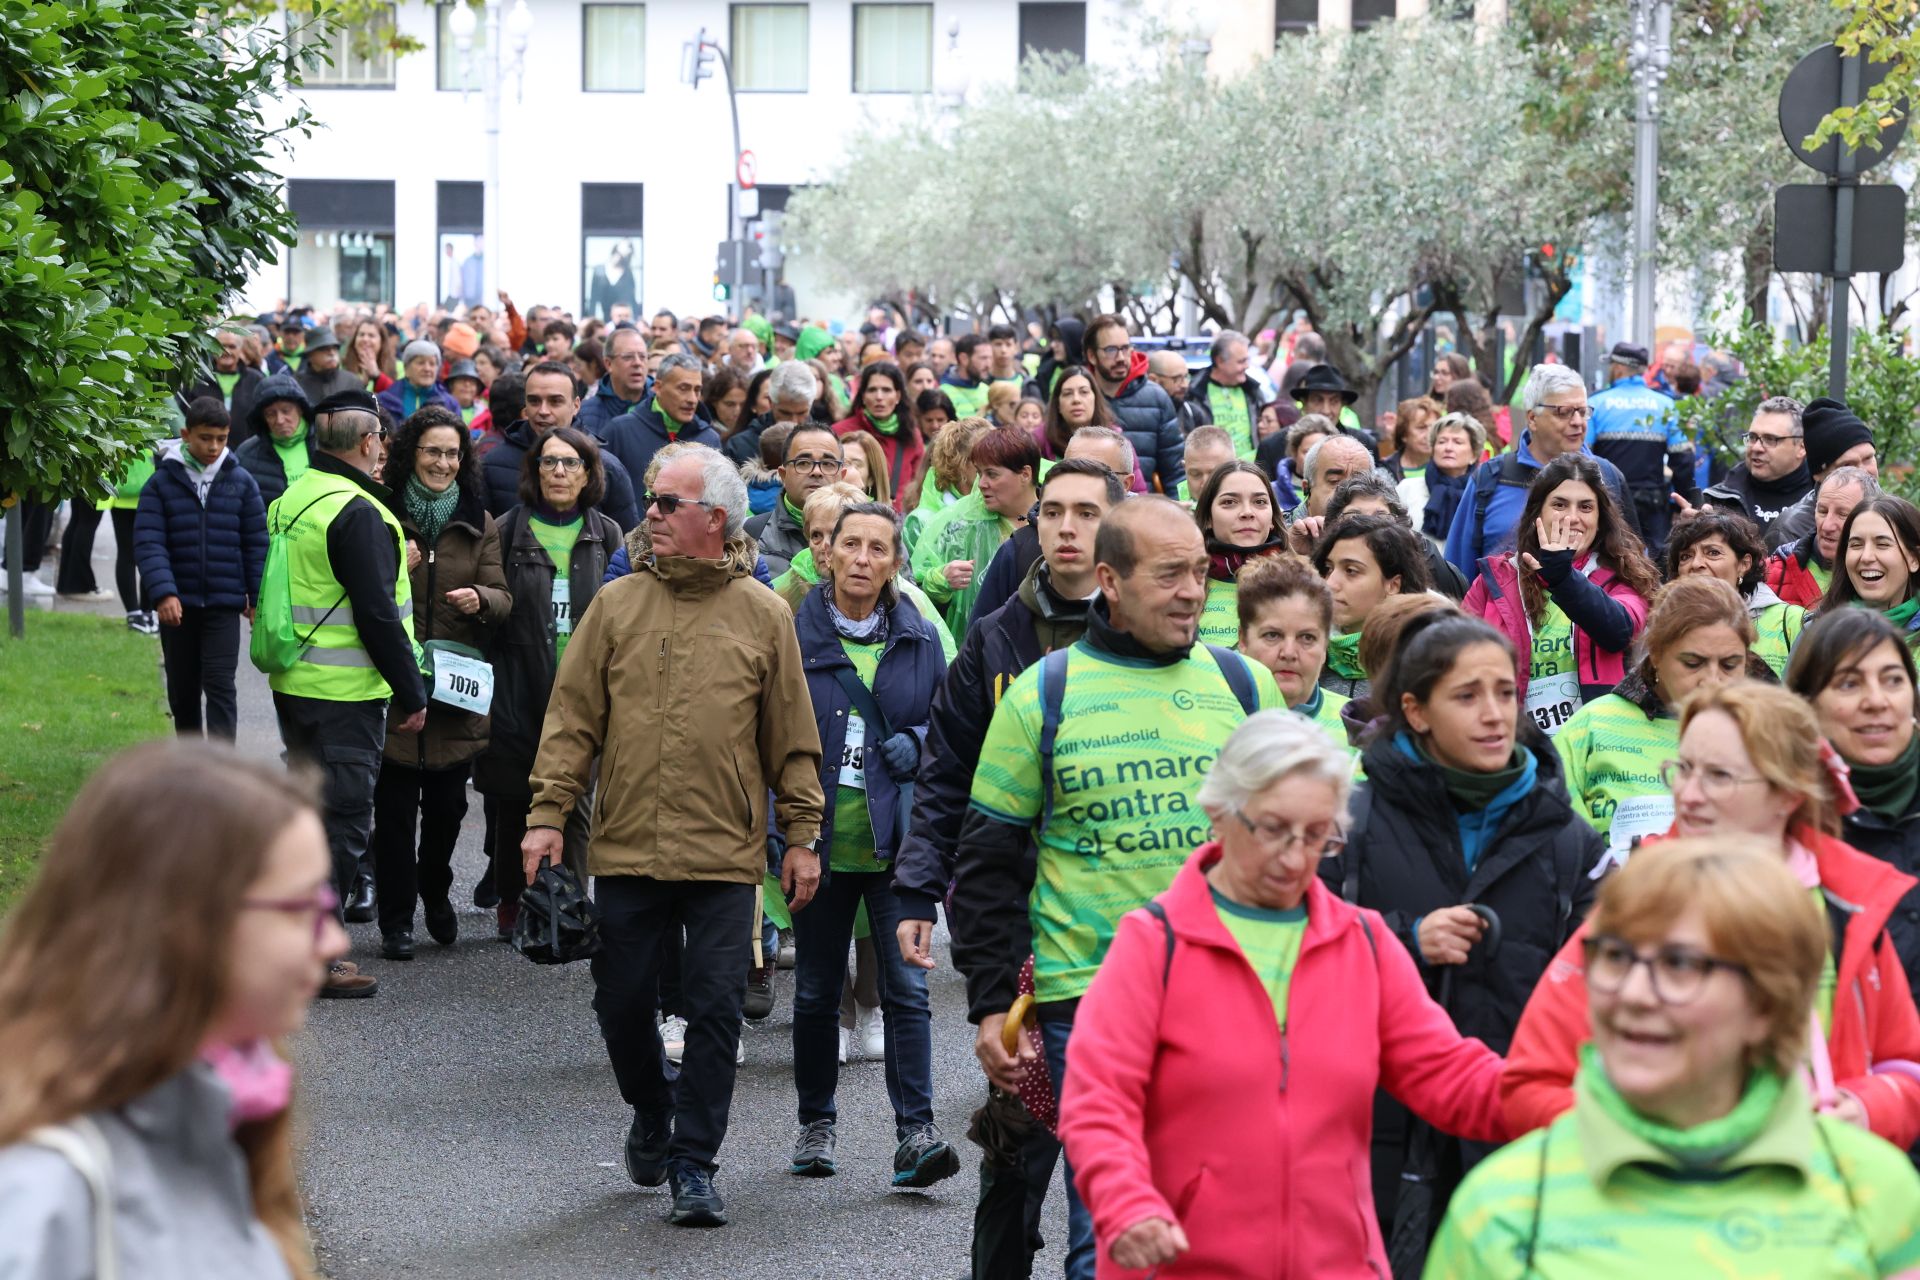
(562, 606)
(1552, 700)
(1636, 818)
(853, 753)
(460, 681)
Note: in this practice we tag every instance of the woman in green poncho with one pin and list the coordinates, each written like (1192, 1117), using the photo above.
(957, 545)
(1879, 563)
(1236, 515)
(1364, 559)
(950, 476)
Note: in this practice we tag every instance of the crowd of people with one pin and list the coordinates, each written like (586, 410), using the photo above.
(1435, 844)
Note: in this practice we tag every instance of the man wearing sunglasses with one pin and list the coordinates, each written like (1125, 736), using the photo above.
(346, 579)
(685, 680)
(812, 461)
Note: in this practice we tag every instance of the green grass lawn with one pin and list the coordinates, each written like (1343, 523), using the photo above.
(76, 690)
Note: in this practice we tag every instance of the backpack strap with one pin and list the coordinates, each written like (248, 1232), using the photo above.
(1159, 913)
(83, 1146)
(1053, 694)
(1491, 475)
(1239, 679)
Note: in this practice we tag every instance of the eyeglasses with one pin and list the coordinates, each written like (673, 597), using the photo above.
(1568, 412)
(562, 464)
(814, 466)
(1678, 974)
(1717, 783)
(1278, 838)
(445, 455)
(322, 902)
(1766, 440)
(670, 502)
(1110, 353)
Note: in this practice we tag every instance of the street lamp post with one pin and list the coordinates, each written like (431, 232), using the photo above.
(518, 26)
(1647, 58)
(1202, 20)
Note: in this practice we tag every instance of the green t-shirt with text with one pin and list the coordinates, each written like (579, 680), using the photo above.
(1229, 405)
(1612, 754)
(1553, 677)
(1134, 742)
(1270, 940)
(1220, 616)
(852, 822)
(557, 541)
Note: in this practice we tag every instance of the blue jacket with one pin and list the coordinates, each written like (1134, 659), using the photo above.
(636, 435)
(911, 668)
(500, 475)
(210, 556)
(393, 400)
(601, 407)
(1637, 429)
(1468, 541)
(1147, 415)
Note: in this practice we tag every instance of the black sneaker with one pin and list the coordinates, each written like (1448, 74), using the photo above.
(813, 1151)
(923, 1158)
(759, 999)
(695, 1202)
(647, 1141)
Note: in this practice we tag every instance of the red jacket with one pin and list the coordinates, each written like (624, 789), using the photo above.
(1874, 1019)
(1789, 577)
(1500, 603)
(1188, 1103)
(902, 464)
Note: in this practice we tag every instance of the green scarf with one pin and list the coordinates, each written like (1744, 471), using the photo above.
(1473, 792)
(1343, 656)
(1887, 789)
(799, 516)
(1704, 1146)
(430, 511)
(1902, 614)
(887, 426)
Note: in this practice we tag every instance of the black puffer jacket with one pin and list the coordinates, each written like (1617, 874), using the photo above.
(1897, 843)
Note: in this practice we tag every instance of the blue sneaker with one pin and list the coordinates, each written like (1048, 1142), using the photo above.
(923, 1158)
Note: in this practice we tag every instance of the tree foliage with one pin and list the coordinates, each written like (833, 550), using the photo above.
(1887, 31)
(133, 200)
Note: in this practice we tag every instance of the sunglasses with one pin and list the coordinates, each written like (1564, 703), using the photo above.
(670, 502)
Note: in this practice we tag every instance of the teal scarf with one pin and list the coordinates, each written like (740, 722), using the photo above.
(430, 511)
(1887, 789)
(1472, 792)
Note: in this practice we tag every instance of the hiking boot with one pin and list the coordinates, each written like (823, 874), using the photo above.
(443, 923)
(813, 1151)
(347, 983)
(759, 999)
(647, 1141)
(695, 1202)
(923, 1158)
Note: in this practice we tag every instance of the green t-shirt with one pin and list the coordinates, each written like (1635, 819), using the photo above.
(1270, 940)
(1220, 616)
(1413, 473)
(1822, 574)
(294, 457)
(852, 823)
(557, 541)
(1229, 405)
(228, 381)
(468, 414)
(1777, 627)
(1612, 754)
(1553, 678)
(1135, 740)
(968, 402)
(1323, 709)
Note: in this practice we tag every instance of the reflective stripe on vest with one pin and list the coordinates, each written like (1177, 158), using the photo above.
(335, 666)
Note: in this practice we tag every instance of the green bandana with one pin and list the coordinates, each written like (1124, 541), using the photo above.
(1343, 656)
(1705, 1145)
(1887, 789)
(1472, 792)
(887, 426)
(430, 511)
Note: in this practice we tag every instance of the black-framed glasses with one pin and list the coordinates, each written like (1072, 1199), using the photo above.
(1678, 974)
(1110, 353)
(815, 466)
(322, 902)
(1767, 440)
(670, 502)
(440, 455)
(1277, 837)
(1568, 412)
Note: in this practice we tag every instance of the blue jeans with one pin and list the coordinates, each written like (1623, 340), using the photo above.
(822, 931)
(1080, 1244)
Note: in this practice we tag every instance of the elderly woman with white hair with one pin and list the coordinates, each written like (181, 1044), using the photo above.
(1200, 1141)
(1489, 512)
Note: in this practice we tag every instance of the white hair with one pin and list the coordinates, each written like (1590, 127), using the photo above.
(720, 485)
(1547, 379)
(1313, 454)
(1269, 746)
(791, 383)
(1107, 435)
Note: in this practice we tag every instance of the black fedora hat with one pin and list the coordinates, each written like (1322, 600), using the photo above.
(1324, 377)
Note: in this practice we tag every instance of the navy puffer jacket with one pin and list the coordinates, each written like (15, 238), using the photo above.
(210, 556)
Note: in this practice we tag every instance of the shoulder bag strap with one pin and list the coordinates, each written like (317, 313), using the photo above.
(85, 1148)
(863, 701)
(1159, 913)
(1234, 668)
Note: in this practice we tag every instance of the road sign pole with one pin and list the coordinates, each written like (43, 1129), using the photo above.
(1845, 186)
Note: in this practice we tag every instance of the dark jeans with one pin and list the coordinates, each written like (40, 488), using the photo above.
(201, 655)
(343, 740)
(822, 931)
(438, 799)
(76, 550)
(637, 916)
(1080, 1247)
(510, 828)
(126, 570)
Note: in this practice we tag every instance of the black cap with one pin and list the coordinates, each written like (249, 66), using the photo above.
(348, 400)
(1629, 353)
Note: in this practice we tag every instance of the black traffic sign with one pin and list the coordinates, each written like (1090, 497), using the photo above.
(1803, 229)
(1813, 89)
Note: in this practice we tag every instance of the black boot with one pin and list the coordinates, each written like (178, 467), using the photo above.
(360, 902)
(397, 946)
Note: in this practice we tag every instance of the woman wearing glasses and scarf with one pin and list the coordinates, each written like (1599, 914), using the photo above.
(1751, 763)
(557, 545)
(1464, 840)
(1221, 1078)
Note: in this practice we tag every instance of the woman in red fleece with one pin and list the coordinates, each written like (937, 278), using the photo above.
(885, 413)
(1751, 763)
(1219, 1091)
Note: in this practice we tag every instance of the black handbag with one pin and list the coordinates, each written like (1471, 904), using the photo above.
(558, 922)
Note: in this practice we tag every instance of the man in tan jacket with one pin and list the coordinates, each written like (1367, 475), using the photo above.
(685, 679)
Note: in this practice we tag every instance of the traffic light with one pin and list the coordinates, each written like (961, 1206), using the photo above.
(722, 291)
(767, 236)
(696, 59)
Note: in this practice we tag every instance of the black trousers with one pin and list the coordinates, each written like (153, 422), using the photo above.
(510, 828)
(343, 741)
(201, 655)
(637, 916)
(75, 577)
(126, 570)
(402, 794)
(36, 525)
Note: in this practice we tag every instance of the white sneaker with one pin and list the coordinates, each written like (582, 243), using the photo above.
(740, 1047)
(869, 1033)
(34, 587)
(88, 597)
(843, 1045)
(673, 1034)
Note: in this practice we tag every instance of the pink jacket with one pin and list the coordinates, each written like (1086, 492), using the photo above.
(1188, 1103)
(1495, 596)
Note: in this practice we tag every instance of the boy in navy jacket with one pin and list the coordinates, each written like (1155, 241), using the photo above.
(200, 536)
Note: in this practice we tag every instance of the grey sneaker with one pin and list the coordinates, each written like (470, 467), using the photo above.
(923, 1158)
(813, 1151)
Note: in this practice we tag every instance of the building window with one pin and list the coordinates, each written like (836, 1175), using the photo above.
(614, 48)
(611, 219)
(892, 48)
(1368, 12)
(352, 56)
(1295, 17)
(1053, 28)
(452, 69)
(461, 250)
(769, 51)
(345, 249)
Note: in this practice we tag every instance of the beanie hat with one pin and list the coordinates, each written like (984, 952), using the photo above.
(462, 340)
(420, 347)
(1830, 429)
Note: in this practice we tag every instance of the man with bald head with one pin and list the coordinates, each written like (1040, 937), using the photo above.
(1110, 808)
(1167, 370)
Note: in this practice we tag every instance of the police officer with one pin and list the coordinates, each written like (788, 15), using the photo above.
(1638, 430)
(353, 611)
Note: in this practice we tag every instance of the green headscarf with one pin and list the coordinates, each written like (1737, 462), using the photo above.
(811, 342)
